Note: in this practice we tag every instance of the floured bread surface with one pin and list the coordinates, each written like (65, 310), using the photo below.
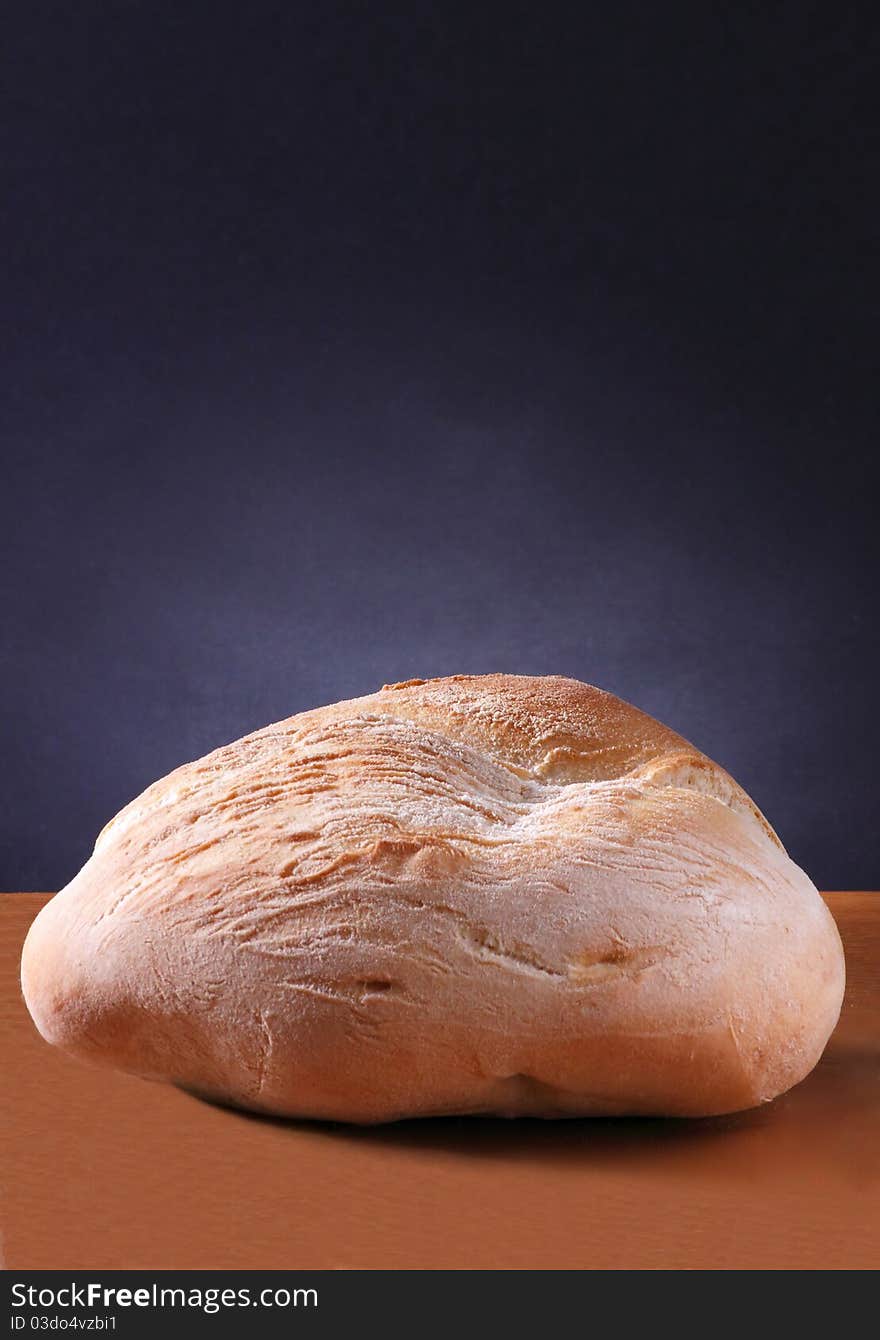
(493, 894)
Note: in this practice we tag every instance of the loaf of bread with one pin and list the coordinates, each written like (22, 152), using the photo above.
(489, 894)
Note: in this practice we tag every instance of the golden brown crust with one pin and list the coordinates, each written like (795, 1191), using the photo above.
(490, 894)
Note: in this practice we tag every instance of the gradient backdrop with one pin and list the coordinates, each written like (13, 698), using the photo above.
(344, 343)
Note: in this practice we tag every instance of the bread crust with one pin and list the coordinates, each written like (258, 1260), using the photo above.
(482, 894)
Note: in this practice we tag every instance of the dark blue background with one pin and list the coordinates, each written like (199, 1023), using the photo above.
(344, 343)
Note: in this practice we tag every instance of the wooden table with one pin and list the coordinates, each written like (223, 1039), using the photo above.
(100, 1170)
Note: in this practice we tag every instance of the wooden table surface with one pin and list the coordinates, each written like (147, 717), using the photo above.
(101, 1170)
